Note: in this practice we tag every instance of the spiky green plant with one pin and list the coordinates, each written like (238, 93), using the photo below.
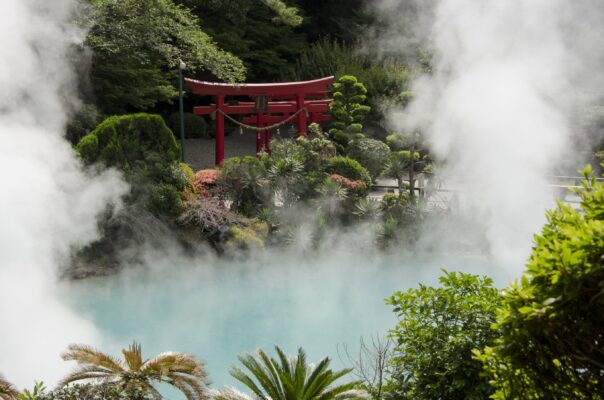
(135, 375)
(292, 378)
(7, 390)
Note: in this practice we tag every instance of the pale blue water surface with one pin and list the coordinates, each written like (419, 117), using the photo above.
(218, 309)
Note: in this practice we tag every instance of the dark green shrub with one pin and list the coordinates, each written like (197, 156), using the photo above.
(165, 199)
(370, 153)
(348, 168)
(244, 182)
(196, 127)
(143, 147)
(123, 140)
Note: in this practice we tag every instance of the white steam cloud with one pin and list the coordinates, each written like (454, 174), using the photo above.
(47, 204)
(499, 103)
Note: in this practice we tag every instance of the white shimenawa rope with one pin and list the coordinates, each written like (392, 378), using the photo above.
(262, 128)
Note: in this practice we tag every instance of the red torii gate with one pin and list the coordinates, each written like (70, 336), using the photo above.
(273, 103)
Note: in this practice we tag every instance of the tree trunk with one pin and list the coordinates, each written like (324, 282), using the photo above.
(412, 175)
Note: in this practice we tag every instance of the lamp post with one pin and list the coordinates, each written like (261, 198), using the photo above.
(181, 67)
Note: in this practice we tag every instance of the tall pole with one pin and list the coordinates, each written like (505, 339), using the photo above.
(181, 67)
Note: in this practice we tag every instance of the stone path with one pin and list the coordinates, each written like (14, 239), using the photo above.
(200, 153)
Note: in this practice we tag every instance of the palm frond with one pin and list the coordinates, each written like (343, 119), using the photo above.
(133, 356)
(259, 373)
(228, 393)
(182, 370)
(87, 355)
(8, 391)
(290, 379)
(247, 381)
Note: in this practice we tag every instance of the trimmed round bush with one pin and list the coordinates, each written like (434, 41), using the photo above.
(370, 153)
(123, 140)
(196, 127)
(348, 168)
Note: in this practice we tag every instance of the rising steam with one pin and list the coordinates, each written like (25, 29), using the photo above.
(506, 81)
(47, 204)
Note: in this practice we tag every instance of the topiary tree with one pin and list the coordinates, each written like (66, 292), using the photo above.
(347, 109)
(122, 141)
(370, 153)
(437, 330)
(552, 334)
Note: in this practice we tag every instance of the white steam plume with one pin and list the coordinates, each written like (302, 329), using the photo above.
(499, 102)
(47, 204)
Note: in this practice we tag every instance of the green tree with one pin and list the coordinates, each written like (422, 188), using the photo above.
(437, 330)
(7, 390)
(136, 46)
(551, 321)
(370, 153)
(407, 163)
(347, 109)
(262, 33)
(291, 378)
(397, 168)
(135, 375)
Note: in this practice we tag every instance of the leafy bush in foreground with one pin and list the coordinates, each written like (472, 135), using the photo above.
(437, 331)
(552, 334)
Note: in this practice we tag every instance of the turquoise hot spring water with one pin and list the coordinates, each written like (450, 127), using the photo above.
(218, 309)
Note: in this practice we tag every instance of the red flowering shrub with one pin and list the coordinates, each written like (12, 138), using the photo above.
(206, 178)
(354, 186)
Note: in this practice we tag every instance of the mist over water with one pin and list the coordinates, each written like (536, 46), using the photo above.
(219, 308)
(47, 204)
(499, 103)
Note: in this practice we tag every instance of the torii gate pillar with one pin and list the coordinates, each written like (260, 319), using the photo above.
(219, 130)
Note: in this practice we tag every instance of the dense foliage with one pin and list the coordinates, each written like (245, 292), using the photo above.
(438, 329)
(551, 320)
(136, 46)
(195, 126)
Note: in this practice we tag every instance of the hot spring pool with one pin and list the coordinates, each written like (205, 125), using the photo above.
(218, 309)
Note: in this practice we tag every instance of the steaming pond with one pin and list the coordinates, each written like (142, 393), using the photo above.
(219, 309)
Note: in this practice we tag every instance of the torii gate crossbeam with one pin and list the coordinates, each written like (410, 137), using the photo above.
(296, 96)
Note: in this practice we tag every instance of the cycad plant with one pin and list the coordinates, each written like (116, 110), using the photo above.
(7, 390)
(290, 379)
(135, 375)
